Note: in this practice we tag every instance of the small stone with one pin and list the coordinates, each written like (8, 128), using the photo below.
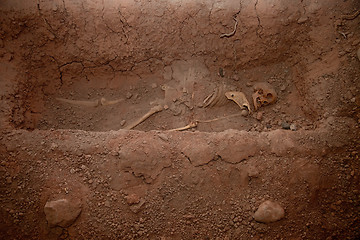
(353, 99)
(285, 125)
(244, 113)
(302, 19)
(129, 95)
(137, 207)
(122, 123)
(132, 199)
(259, 116)
(221, 72)
(293, 127)
(8, 180)
(269, 212)
(163, 137)
(154, 85)
(249, 84)
(72, 171)
(166, 107)
(62, 212)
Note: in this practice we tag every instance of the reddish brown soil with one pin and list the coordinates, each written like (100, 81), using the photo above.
(202, 183)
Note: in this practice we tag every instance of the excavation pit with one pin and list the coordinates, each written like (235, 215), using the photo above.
(76, 77)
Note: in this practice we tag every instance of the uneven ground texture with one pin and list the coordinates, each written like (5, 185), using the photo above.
(202, 183)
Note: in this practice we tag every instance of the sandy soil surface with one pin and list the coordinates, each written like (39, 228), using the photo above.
(76, 76)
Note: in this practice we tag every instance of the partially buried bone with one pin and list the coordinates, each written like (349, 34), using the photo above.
(240, 99)
(92, 103)
(264, 95)
(105, 102)
(216, 98)
(153, 110)
(196, 122)
(190, 125)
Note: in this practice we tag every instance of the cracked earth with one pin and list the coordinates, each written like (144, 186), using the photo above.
(76, 75)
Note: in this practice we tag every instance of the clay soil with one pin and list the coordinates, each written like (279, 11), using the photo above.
(58, 57)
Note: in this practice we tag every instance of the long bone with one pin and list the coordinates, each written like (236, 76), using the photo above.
(94, 103)
(196, 122)
(153, 110)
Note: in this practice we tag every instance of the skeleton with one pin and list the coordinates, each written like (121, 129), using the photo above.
(264, 95)
(172, 95)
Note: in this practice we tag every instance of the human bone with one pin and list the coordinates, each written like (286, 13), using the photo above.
(239, 98)
(264, 95)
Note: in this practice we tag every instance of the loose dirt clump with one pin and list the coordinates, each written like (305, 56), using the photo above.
(179, 119)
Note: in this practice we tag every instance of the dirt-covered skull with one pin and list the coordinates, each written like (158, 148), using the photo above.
(264, 95)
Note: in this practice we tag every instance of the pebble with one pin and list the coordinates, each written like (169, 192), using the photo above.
(122, 123)
(244, 113)
(154, 85)
(129, 95)
(302, 19)
(132, 199)
(285, 125)
(62, 212)
(268, 212)
(259, 116)
(163, 137)
(8, 180)
(293, 127)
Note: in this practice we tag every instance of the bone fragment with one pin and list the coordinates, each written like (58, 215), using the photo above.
(190, 125)
(196, 122)
(93, 103)
(152, 111)
(220, 118)
(240, 99)
(105, 102)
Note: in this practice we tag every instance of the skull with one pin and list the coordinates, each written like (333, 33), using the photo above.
(264, 95)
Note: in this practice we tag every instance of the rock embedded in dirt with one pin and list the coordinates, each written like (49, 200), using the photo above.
(302, 19)
(129, 95)
(293, 127)
(244, 113)
(259, 116)
(62, 212)
(285, 125)
(132, 199)
(268, 212)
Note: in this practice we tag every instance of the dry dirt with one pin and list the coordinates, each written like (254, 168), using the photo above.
(202, 183)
